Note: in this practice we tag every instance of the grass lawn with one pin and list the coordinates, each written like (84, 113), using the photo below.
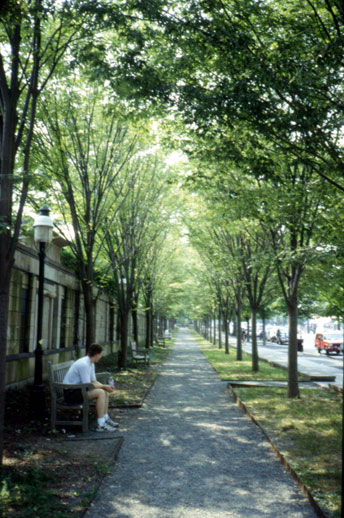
(307, 431)
(229, 368)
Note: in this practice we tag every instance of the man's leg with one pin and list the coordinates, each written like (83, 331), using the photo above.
(102, 404)
(106, 406)
(99, 396)
(106, 414)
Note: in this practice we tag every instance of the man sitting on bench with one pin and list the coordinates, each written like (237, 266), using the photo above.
(83, 371)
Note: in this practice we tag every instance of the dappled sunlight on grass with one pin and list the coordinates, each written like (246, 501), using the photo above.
(131, 386)
(229, 368)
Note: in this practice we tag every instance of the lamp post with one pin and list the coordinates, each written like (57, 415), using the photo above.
(43, 230)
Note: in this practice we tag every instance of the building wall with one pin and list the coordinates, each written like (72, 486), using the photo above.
(63, 315)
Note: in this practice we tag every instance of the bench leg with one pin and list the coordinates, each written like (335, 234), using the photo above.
(85, 416)
(53, 414)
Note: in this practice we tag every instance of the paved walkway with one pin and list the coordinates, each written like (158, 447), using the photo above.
(191, 452)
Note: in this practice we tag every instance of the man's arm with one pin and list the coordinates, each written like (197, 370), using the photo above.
(107, 388)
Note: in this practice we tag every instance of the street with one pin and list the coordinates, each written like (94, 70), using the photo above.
(309, 361)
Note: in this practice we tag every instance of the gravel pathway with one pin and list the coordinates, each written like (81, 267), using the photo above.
(191, 452)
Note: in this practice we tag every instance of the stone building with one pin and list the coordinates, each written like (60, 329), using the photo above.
(63, 318)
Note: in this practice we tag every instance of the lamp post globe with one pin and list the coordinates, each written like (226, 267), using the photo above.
(43, 226)
(43, 230)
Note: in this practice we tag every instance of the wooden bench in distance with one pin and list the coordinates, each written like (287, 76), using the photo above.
(160, 340)
(139, 355)
(56, 374)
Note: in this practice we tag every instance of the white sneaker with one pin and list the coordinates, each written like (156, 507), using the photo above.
(112, 423)
(105, 428)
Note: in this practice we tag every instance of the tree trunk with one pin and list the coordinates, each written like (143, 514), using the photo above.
(238, 332)
(225, 323)
(8, 122)
(293, 383)
(235, 325)
(4, 300)
(290, 292)
(220, 328)
(155, 326)
(90, 315)
(118, 328)
(149, 330)
(148, 298)
(122, 355)
(135, 320)
(255, 361)
(151, 341)
(212, 329)
(264, 332)
(135, 326)
(111, 326)
(76, 324)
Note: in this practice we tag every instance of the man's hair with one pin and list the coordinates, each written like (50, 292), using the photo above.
(94, 349)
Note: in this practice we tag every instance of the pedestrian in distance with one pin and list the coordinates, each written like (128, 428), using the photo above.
(83, 371)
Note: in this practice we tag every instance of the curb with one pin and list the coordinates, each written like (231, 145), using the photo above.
(308, 377)
(319, 511)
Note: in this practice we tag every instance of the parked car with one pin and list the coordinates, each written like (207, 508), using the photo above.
(280, 337)
(329, 342)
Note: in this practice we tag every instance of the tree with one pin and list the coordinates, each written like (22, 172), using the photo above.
(34, 36)
(275, 67)
(290, 208)
(322, 285)
(130, 236)
(248, 246)
(88, 153)
(155, 259)
(204, 223)
(295, 223)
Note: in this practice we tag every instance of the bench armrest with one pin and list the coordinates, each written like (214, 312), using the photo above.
(103, 377)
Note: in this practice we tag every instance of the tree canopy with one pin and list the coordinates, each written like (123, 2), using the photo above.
(195, 149)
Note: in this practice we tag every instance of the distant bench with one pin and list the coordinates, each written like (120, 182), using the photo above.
(139, 355)
(160, 340)
(56, 373)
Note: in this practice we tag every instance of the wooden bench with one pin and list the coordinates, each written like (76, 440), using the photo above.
(56, 374)
(160, 340)
(139, 355)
